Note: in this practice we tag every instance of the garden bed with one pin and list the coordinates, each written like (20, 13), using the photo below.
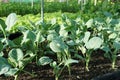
(99, 66)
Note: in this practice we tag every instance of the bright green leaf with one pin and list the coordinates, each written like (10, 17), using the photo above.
(44, 60)
(2, 25)
(11, 72)
(112, 36)
(70, 61)
(58, 45)
(86, 37)
(10, 21)
(116, 45)
(89, 23)
(4, 66)
(29, 35)
(94, 43)
(39, 38)
(15, 55)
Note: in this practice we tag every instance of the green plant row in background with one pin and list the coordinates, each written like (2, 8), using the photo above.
(73, 7)
(63, 40)
(25, 8)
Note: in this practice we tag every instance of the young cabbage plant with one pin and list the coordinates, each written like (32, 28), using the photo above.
(90, 45)
(58, 68)
(45, 60)
(18, 60)
(6, 27)
(58, 46)
(6, 69)
(112, 53)
(111, 38)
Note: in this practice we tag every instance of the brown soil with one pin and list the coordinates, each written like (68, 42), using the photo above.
(98, 66)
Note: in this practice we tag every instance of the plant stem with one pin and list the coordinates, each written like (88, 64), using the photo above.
(87, 64)
(56, 77)
(69, 70)
(113, 65)
(114, 59)
(16, 77)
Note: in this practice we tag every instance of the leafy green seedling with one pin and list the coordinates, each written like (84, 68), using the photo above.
(58, 68)
(112, 54)
(18, 60)
(90, 45)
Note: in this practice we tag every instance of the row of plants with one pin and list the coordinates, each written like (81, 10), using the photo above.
(69, 41)
(72, 6)
(25, 8)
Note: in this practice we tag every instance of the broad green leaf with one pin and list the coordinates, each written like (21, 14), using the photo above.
(107, 14)
(70, 61)
(11, 72)
(28, 45)
(15, 55)
(39, 38)
(52, 35)
(4, 66)
(62, 31)
(10, 21)
(112, 36)
(94, 43)
(10, 43)
(2, 25)
(114, 21)
(106, 49)
(58, 46)
(29, 35)
(86, 37)
(71, 43)
(28, 57)
(44, 60)
(89, 23)
(116, 45)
